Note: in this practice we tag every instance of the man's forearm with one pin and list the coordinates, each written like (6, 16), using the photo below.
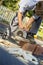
(19, 17)
(30, 21)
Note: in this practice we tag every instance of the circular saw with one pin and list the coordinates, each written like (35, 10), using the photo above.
(20, 33)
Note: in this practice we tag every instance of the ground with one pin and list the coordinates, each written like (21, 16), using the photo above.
(7, 58)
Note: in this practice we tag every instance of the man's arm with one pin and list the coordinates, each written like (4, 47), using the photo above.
(20, 19)
(22, 9)
(30, 21)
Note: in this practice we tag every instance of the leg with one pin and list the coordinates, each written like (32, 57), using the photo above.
(35, 26)
(33, 30)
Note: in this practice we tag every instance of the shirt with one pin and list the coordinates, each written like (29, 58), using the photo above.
(27, 5)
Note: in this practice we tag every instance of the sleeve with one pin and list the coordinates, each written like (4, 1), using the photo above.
(22, 6)
(35, 16)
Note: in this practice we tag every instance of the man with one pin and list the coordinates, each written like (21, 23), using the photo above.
(35, 20)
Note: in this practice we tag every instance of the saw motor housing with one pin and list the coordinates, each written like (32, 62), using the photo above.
(15, 27)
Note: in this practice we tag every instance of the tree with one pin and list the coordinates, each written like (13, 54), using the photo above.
(11, 4)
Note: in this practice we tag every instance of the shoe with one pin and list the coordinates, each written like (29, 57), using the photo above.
(30, 36)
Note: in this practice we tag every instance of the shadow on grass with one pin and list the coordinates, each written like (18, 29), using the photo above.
(8, 59)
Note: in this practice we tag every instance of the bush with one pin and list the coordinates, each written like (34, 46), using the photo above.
(11, 4)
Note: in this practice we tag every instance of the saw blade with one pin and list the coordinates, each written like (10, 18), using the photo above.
(20, 33)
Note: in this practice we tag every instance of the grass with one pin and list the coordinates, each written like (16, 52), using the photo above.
(40, 31)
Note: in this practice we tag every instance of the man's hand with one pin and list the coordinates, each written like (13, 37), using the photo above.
(26, 28)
